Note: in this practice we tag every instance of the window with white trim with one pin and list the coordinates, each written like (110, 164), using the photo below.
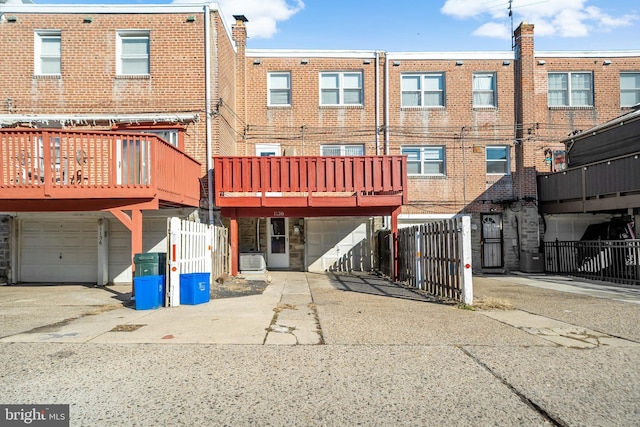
(484, 90)
(498, 160)
(279, 88)
(132, 53)
(629, 89)
(570, 89)
(423, 90)
(47, 50)
(341, 88)
(425, 160)
(342, 150)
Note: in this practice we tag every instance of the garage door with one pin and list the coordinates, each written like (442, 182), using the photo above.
(59, 251)
(337, 244)
(154, 239)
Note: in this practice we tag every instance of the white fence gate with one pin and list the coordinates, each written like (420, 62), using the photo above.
(191, 246)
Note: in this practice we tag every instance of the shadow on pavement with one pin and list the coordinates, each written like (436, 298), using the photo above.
(366, 283)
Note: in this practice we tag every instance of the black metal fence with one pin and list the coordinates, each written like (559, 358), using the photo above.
(616, 261)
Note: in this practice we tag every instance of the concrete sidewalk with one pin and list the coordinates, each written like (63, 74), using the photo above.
(324, 349)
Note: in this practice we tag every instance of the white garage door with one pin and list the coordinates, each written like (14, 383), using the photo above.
(59, 251)
(337, 244)
(154, 239)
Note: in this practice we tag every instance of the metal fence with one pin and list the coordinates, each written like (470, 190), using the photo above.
(615, 261)
(434, 257)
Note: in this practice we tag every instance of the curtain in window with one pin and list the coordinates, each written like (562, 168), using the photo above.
(352, 88)
(629, 89)
(433, 91)
(135, 55)
(581, 89)
(330, 84)
(483, 90)
(280, 93)
(50, 55)
(497, 160)
(411, 91)
(558, 90)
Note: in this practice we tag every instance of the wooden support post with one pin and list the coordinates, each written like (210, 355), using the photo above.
(233, 229)
(134, 224)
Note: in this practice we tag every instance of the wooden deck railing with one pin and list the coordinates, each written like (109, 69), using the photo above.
(310, 181)
(68, 164)
(606, 185)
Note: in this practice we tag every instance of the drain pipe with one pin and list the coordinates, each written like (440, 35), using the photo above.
(207, 80)
(386, 104)
(377, 76)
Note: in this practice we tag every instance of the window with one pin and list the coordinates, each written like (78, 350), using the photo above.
(132, 53)
(169, 135)
(342, 150)
(484, 89)
(570, 90)
(47, 53)
(279, 88)
(423, 90)
(341, 88)
(629, 89)
(498, 160)
(425, 160)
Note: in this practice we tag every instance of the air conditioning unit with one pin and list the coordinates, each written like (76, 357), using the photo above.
(252, 261)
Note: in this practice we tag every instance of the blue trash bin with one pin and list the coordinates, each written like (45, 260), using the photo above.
(194, 288)
(149, 292)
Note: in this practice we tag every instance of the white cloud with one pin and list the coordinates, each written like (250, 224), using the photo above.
(566, 18)
(263, 15)
(494, 30)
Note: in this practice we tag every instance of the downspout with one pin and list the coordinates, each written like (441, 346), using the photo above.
(207, 84)
(377, 76)
(386, 104)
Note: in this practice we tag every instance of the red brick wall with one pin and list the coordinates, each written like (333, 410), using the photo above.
(89, 86)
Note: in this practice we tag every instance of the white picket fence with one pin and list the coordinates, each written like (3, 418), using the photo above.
(192, 247)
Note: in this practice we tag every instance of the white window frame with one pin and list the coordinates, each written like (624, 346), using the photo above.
(132, 34)
(341, 89)
(569, 90)
(424, 158)
(271, 90)
(422, 90)
(492, 91)
(635, 90)
(343, 149)
(506, 160)
(39, 55)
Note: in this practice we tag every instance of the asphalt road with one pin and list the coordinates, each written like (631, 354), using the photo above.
(385, 356)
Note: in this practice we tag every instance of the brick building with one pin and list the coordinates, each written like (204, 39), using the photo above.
(476, 127)
(111, 68)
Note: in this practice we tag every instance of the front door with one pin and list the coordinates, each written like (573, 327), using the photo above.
(491, 240)
(278, 247)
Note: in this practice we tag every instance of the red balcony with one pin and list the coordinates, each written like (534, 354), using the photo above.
(54, 170)
(311, 182)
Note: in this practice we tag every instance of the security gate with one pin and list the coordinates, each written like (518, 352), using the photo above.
(491, 240)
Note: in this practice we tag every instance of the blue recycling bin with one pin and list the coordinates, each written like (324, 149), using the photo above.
(194, 288)
(149, 291)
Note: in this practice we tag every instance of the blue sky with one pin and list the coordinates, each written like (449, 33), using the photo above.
(427, 25)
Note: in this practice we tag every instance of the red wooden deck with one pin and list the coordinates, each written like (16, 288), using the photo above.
(337, 182)
(54, 170)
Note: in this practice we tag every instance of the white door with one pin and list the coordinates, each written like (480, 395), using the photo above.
(59, 250)
(278, 246)
(337, 244)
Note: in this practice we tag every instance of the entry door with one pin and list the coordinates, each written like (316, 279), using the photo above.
(134, 160)
(491, 240)
(278, 247)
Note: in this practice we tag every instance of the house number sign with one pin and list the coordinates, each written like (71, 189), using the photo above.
(278, 213)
